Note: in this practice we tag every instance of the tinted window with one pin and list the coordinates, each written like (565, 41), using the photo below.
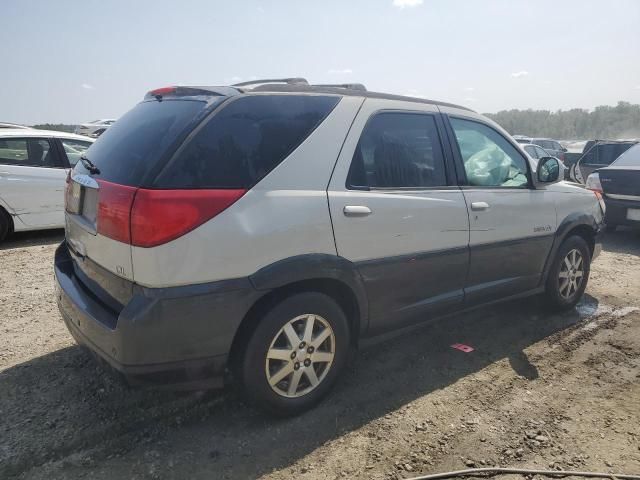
(74, 149)
(489, 159)
(398, 150)
(29, 152)
(245, 140)
(630, 158)
(138, 141)
(604, 154)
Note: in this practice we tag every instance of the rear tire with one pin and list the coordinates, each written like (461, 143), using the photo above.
(5, 225)
(569, 274)
(295, 355)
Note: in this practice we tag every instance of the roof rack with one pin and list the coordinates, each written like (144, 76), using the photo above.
(290, 81)
(351, 86)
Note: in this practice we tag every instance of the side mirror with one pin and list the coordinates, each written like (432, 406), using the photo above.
(548, 170)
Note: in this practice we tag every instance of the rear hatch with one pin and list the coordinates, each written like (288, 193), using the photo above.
(116, 169)
(617, 181)
(621, 180)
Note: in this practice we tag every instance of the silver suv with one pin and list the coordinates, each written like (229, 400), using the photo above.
(258, 232)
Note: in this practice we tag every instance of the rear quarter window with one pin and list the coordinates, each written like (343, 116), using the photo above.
(245, 140)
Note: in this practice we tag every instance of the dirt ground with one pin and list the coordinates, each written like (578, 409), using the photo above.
(539, 390)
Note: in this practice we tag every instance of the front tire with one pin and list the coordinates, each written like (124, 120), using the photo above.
(295, 354)
(569, 274)
(5, 225)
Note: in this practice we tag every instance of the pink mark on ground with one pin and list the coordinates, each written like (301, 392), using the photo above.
(462, 347)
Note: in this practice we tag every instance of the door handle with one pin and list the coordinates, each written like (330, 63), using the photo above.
(4, 174)
(356, 211)
(479, 206)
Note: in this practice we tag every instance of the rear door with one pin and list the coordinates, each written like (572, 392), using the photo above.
(397, 213)
(599, 156)
(32, 180)
(511, 223)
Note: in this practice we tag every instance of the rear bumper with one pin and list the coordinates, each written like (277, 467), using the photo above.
(178, 336)
(617, 211)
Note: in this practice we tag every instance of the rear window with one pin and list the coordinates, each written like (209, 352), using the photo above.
(136, 144)
(244, 141)
(630, 158)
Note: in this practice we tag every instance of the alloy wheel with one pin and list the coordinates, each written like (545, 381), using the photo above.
(571, 274)
(300, 356)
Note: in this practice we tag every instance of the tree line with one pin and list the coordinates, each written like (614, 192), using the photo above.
(603, 122)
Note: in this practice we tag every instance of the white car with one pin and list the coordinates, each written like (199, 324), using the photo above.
(266, 229)
(95, 128)
(535, 153)
(33, 171)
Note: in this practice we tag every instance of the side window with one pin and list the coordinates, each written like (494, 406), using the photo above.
(531, 151)
(398, 150)
(541, 152)
(245, 140)
(489, 159)
(28, 152)
(74, 149)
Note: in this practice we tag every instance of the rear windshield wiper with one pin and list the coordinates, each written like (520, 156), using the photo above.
(89, 165)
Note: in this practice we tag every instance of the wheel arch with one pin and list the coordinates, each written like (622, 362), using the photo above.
(582, 224)
(334, 276)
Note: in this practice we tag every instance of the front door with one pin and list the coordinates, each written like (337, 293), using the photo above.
(512, 225)
(397, 214)
(33, 181)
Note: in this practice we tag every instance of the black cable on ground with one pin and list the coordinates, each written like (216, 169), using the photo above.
(489, 471)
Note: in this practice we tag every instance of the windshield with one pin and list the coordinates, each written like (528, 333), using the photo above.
(136, 144)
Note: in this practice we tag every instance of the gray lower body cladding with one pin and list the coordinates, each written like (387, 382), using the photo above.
(176, 335)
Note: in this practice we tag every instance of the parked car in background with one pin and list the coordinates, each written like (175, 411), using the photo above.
(619, 184)
(523, 139)
(549, 144)
(95, 128)
(598, 154)
(552, 146)
(33, 171)
(13, 125)
(535, 153)
(271, 225)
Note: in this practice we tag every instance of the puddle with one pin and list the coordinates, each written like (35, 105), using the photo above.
(589, 309)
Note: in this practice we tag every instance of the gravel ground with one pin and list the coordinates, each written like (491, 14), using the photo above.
(539, 390)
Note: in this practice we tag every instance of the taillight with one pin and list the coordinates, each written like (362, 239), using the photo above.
(161, 92)
(114, 210)
(147, 218)
(159, 216)
(593, 184)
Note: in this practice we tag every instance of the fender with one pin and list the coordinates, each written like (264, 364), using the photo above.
(570, 222)
(315, 266)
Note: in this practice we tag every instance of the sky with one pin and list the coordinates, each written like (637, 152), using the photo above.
(69, 61)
